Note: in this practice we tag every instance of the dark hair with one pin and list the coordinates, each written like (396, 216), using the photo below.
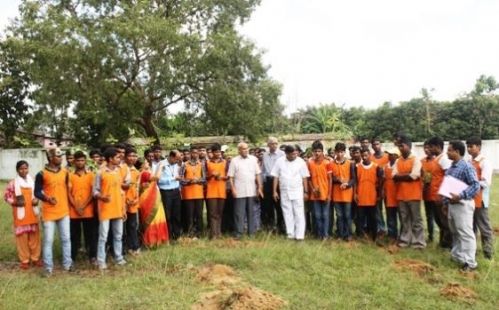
(458, 146)
(363, 138)
(79, 154)
(95, 152)
(375, 139)
(436, 141)
(403, 139)
(193, 147)
(364, 150)
(317, 145)
(156, 147)
(474, 141)
(68, 152)
(21, 163)
(354, 148)
(173, 153)
(298, 148)
(120, 146)
(110, 152)
(130, 150)
(104, 147)
(340, 146)
(216, 147)
(289, 149)
(147, 152)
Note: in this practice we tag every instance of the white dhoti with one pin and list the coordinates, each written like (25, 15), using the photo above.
(293, 211)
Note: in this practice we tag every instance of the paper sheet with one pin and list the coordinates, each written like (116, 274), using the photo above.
(451, 185)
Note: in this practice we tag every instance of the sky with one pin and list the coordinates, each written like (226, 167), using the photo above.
(365, 52)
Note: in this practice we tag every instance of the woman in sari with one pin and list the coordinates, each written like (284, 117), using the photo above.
(152, 215)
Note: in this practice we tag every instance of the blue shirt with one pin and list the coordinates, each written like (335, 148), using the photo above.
(465, 172)
(167, 177)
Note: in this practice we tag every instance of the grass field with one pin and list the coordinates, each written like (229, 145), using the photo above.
(307, 275)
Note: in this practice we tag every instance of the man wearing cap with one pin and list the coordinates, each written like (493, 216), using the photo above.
(244, 173)
(271, 207)
(291, 174)
(51, 188)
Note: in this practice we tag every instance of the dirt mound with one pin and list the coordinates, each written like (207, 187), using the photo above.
(419, 267)
(217, 274)
(458, 292)
(392, 249)
(239, 299)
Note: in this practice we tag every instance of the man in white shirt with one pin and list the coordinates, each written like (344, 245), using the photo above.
(291, 173)
(481, 220)
(271, 209)
(244, 173)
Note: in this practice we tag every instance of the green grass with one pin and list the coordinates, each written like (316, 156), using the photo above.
(308, 275)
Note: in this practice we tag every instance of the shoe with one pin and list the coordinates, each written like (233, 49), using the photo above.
(468, 268)
(47, 273)
(37, 263)
(402, 245)
(102, 267)
(24, 266)
(93, 261)
(487, 255)
(70, 269)
(121, 262)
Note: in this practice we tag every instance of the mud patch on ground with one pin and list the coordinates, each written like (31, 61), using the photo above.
(456, 291)
(420, 268)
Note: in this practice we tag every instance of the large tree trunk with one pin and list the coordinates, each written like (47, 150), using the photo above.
(148, 125)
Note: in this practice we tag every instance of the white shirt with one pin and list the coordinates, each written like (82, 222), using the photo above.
(291, 174)
(244, 171)
(269, 160)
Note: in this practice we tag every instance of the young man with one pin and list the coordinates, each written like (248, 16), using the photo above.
(246, 187)
(193, 176)
(461, 208)
(216, 190)
(169, 187)
(481, 220)
(290, 175)
(107, 191)
(343, 172)
(368, 191)
(132, 203)
(96, 157)
(380, 158)
(69, 160)
(51, 188)
(157, 151)
(355, 159)
(407, 176)
(434, 167)
(320, 183)
(81, 209)
(390, 195)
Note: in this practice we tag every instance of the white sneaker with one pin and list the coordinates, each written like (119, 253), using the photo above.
(121, 262)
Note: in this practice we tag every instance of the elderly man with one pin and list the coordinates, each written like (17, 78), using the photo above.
(270, 207)
(291, 174)
(244, 173)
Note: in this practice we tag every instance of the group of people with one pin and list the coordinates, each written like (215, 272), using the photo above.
(122, 203)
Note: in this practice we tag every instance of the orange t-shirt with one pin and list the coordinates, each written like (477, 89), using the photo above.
(29, 216)
(478, 197)
(193, 191)
(320, 174)
(132, 193)
(110, 186)
(55, 185)
(216, 188)
(412, 190)
(367, 180)
(80, 188)
(342, 172)
(390, 188)
(382, 161)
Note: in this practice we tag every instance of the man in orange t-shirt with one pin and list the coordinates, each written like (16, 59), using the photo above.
(381, 159)
(81, 210)
(108, 192)
(216, 175)
(52, 189)
(132, 203)
(320, 182)
(407, 176)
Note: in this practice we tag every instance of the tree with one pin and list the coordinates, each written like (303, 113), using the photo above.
(14, 92)
(113, 67)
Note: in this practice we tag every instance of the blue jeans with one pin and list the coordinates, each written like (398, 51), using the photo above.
(380, 221)
(117, 227)
(321, 216)
(392, 215)
(344, 219)
(48, 242)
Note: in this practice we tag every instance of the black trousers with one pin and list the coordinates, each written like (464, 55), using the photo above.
(228, 215)
(90, 235)
(172, 204)
(132, 227)
(271, 209)
(368, 214)
(193, 221)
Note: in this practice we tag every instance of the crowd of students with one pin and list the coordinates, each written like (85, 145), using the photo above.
(122, 203)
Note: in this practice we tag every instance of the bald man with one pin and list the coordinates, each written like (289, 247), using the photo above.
(244, 173)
